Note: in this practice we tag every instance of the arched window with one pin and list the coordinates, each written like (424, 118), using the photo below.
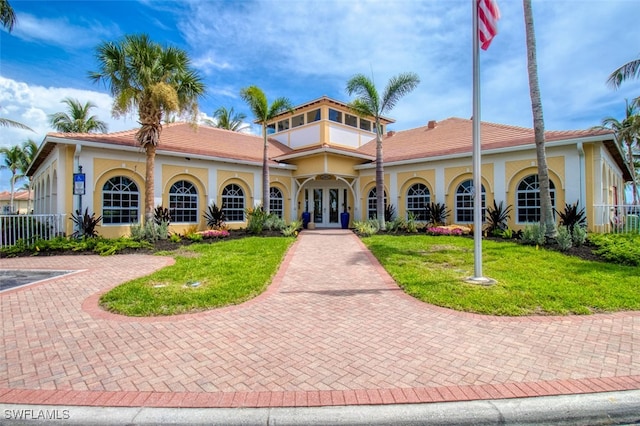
(372, 203)
(120, 201)
(276, 202)
(464, 202)
(418, 196)
(528, 199)
(233, 203)
(183, 202)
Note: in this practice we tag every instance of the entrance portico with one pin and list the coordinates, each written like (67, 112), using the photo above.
(325, 197)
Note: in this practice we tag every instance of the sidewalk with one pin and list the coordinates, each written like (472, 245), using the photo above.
(333, 329)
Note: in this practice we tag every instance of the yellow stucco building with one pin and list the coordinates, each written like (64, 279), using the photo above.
(322, 161)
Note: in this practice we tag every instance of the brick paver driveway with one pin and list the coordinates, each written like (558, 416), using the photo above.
(332, 329)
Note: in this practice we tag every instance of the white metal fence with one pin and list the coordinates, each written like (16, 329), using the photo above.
(622, 218)
(31, 227)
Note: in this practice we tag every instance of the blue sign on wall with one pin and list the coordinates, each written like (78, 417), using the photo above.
(78, 184)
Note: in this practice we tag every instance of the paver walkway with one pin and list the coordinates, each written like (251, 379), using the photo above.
(332, 329)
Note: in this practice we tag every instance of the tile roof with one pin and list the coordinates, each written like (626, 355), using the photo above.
(454, 136)
(186, 139)
(21, 195)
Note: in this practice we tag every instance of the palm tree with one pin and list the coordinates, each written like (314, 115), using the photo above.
(77, 120)
(257, 101)
(12, 162)
(625, 72)
(28, 150)
(155, 80)
(229, 119)
(627, 133)
(369, 104)
(7, 15)
(546, 209)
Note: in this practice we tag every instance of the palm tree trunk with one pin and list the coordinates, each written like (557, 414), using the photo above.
(13, 185)
(546, 210)
(150, 150)
(379, 178)
(265, 171)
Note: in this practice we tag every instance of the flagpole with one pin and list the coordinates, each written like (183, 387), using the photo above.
(477, 278)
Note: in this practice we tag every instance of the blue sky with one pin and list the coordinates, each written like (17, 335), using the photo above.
(305, 49)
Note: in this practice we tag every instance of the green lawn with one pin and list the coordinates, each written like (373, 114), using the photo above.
(530, 281)
(227, 273)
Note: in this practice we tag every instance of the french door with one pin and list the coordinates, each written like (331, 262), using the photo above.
(326, 204)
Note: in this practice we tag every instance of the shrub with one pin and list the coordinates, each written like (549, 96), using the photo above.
(150, 231)
(214, 233)
(214, 217)
(436, 214)
(274, 223)
(497, 217)
(579, 236)
(563, 238)
(85, 223)
(175, 238)
(256, 218)
(533, 234)
(292, 229)
(195, 237)
(411, 223)
(396, 225)
(618, 248)
(366, 227)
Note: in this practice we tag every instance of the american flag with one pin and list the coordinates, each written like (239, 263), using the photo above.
(488, 15)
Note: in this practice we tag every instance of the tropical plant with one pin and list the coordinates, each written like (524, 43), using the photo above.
(436, 214)
(77, 118)
(369, 104)
(161, 215)
(546, 208)
(85, 224)
(292, 229)
(12, 162)
(263, 112)
(154, 80)
(627, 71)
(150, 231)
(571, 217)
(389, 212)
(497, 217)
(396, 224)
(366, 227)
(411, 224)
(228, 119)
(627, 133)
(29, 150)
(256, 218)
(214, 216)
(7, 15)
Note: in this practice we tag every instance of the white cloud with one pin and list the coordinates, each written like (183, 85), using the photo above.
(61, 31)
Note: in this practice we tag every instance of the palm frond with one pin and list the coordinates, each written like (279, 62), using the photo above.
(627, 71)
(5, 122)
(398, 87)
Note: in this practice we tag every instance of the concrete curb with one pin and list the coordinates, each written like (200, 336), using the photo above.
(607, 408)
